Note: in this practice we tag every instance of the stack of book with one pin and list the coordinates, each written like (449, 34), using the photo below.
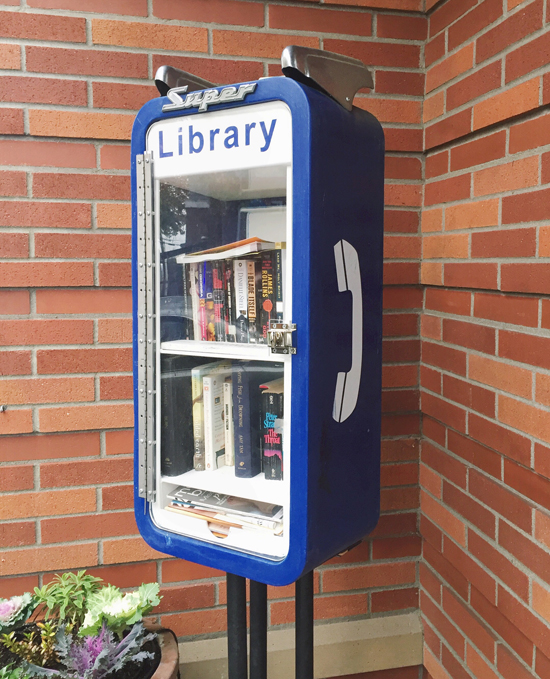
(230, 293)
(238, 417)
(224, 512)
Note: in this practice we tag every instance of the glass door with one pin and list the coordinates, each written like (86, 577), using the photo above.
(222, 248)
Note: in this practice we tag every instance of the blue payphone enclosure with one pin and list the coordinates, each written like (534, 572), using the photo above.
(335, 392)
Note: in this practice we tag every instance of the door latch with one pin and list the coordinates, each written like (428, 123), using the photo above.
(279, 337)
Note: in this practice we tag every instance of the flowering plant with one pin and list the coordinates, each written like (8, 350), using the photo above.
(109, 605)
(94, 657)
(88, 630)
(15, 611)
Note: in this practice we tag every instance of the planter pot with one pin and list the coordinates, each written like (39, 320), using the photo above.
(168, 667)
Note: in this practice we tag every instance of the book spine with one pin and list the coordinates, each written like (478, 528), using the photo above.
(228, 423)
(267, 297)
(194, 291)
(208, 416)
(251, 266)
(209, 294)
(218, 285)
(167, 452)
(198, 420)
(187, 314)
(202, 300)
(230, 330)
(271, 435)
(247, 455)
(241, 300)
(278, 276)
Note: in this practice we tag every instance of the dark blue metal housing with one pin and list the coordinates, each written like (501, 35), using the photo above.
(338, 189)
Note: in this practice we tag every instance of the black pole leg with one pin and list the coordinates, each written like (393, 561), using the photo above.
(236, 627)
(304, 627)
(258, 630)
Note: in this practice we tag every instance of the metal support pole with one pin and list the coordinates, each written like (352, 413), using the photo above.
(258, 630)
(236, 627)
(304, 627)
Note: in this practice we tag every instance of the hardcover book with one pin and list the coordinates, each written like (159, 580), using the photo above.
(247, 377)
(176, 402)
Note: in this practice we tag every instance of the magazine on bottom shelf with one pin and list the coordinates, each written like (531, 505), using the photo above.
(226, 509)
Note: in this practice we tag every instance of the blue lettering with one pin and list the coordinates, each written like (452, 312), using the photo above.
(213, 134)
(162, 152)
(247, 129)
(267, 135)
(232, 139)
(180, 142)
(192, 137)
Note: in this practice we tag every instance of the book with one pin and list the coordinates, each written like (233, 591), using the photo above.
(247, 377)
(219, 295)
(194, 290)
(202, 301)
(236, 249)
(272, 426)
(241, 300)
(228, 422)
(266, 296)
(279, 279)
(230, 328)
(197, 375)
(176, 432)
(214, 429)
(187, 303)
(252, 270)
(210, 314)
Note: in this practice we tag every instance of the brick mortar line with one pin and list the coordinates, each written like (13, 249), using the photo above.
(508, 157)
(258, 30)
(538, 295)
(344, 7)
(478, 320)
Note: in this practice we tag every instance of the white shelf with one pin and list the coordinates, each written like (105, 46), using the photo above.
(225, 482)
(253, 352)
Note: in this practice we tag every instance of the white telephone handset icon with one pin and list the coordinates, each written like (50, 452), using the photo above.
(349, 278)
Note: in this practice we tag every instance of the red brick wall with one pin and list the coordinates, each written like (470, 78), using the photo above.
(74, 72)
(485, 462)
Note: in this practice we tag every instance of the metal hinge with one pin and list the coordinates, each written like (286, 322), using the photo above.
(146, 326)
(279, 337)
